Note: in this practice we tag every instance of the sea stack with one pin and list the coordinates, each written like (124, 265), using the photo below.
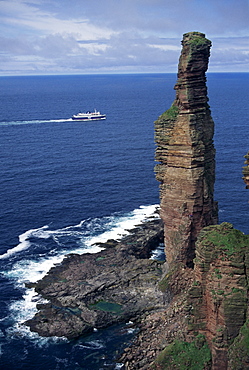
(186, 155)
(246, 171)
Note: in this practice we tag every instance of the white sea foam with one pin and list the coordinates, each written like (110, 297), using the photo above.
(32, 270)
(22, 310)
(29, 270)
(120, 226)
(119, 366)
(131, 330)
(22, 331)
(124, 224)
(93, 344)
(30, 122)
(24, 242)
(158, 253)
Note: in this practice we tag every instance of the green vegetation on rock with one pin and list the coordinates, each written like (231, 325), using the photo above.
(166, 281)
(170, 114)
(224, 238)
(239, 351)
(197, 40)
(183, 355)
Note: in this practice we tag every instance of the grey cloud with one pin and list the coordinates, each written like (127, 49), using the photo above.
(167, 17)
(141, 30)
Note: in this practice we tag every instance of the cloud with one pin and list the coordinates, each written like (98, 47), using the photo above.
(28, 17)
(227, 52)
(121, 52)
(82, 36)
(172, 18)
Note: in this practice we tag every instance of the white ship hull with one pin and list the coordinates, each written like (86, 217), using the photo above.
(89, 116)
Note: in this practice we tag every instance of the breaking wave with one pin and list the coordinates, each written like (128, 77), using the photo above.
(40, 249)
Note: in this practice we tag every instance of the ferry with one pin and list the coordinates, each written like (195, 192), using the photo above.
(89, 116)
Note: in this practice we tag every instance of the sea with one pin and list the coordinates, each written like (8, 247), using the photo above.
(65, 185)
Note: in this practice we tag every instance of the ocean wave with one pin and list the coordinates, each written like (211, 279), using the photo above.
(83, 238)
(93, 344)
(122, 224)
(86, 234)
(27, 270)
(24, 241)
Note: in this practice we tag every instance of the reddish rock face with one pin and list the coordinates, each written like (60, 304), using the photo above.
(246, 171)
(219, 297)
(186, 155)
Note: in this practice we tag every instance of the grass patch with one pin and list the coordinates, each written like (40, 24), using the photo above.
(239, 350)
(171, 114)
(199, 41)
(164, 284)
(227, 239)
(182, 355)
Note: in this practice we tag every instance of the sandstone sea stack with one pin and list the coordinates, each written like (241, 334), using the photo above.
(206, 324)
(246, 171)
(186, 154)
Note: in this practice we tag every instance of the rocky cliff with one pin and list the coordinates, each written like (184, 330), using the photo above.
(219, 296)
(186, 155)
(206, 324)
(246, 171)
(212, 304)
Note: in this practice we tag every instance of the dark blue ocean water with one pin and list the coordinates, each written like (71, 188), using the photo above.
(65, 185)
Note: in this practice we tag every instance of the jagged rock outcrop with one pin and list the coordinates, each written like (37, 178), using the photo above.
(185, 150)
(96, 290)
(246, 171)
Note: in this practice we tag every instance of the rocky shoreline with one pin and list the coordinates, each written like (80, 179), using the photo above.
(97, 290)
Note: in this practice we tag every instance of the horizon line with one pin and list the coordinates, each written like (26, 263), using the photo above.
(112, 73)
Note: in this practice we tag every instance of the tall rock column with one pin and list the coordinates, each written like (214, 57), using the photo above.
(186, 155)
(246, 171)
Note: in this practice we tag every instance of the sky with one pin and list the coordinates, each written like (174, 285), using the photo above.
(40, 37)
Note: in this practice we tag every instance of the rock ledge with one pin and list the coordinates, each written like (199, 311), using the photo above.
(96, 290)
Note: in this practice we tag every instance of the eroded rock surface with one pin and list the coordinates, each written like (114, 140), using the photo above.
(185, 150)
(219, 297)
(96, 290)
(206, 324)
(246, 171)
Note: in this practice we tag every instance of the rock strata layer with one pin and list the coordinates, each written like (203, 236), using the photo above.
(246, 171)
(186, 155)
(96, 290)
(206, 324)
(219, 297)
